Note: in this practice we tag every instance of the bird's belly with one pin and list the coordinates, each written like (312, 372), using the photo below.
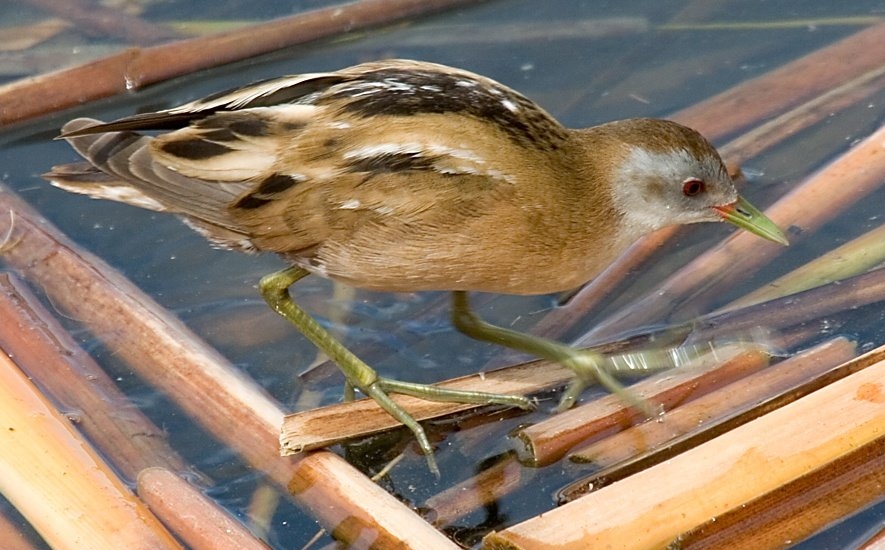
(406, 269)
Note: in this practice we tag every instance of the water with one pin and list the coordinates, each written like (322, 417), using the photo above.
(625, 65)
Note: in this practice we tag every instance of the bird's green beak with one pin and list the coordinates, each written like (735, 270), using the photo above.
(746, 216)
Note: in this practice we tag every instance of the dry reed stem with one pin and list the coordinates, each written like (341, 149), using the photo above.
(331, 424)
(140, 332)
(798, 310)
(772, 132)
(103, 21)
(483, 489)
(59, 483)
(710, 414)
(652, 508)
(367, 510)
(197, 521)
(135, 68)
(877, 540)
(800, 509)
(219, 397)
(851, 259)
(324, 426)
(549, 440)
(11, 536)
(820, 198)
(796, 82)
(23, 37)
(50, 357)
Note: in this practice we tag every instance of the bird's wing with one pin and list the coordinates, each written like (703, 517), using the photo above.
(287, 162)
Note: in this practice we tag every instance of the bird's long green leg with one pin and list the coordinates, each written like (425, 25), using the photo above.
(275, 290)
(587, 365)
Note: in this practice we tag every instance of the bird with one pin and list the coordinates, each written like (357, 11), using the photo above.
(405, 176)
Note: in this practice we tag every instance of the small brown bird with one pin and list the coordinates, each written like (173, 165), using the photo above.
(407, 176)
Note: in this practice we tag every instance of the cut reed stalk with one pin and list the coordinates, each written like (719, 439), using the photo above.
(710, 415)
(135, 68)
(213, 392)
(197, 521)
(59, 483)
(50, 357)
(724, 474)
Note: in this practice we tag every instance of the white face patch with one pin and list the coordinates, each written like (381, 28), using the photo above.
(351, 204)
(647, 189)
(670, 166)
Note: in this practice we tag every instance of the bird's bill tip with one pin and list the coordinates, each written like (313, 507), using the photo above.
(746, 216)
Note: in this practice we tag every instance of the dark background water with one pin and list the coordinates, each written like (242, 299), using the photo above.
(582, 79)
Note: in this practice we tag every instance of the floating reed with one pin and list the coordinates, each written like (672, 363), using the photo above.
(59, 483)
(549, 440)
(785, 87)
(219, 397)
(47, 354)
(710, 415)
(722, 475)
(135, 68)
(11, 537)
(105, 21)
(331, 424)
(197, 521)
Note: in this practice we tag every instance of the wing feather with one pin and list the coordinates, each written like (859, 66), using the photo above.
(303, 165)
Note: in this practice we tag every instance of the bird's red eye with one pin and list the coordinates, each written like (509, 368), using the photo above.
(692, 187)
